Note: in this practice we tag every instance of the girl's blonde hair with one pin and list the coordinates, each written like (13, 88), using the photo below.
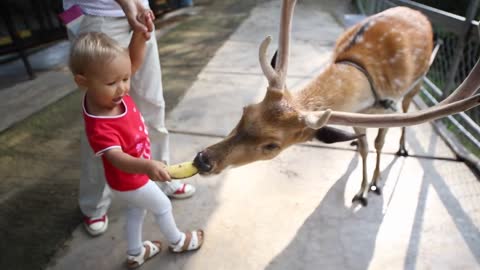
(92, 47)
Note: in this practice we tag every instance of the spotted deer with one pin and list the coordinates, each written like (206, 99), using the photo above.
(376, 63)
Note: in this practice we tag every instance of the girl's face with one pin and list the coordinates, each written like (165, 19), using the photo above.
(107, 84)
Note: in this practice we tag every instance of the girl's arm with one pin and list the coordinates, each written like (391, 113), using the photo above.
(136, 50)
(122, 161)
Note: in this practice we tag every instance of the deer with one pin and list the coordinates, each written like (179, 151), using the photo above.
(375, 64)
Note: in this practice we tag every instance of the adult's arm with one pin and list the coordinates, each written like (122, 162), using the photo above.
(133, 10)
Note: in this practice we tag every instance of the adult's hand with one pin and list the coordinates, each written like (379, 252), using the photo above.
(135, 12)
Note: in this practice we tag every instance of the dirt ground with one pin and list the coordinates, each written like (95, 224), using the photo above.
(39, 157)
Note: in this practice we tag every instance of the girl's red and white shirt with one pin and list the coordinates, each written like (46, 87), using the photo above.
(126, 131)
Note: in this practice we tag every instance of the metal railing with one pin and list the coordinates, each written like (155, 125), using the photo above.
(458, 54)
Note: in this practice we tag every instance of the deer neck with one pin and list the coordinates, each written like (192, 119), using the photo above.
(339, 87)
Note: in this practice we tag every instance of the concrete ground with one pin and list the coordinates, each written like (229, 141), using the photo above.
(293, 212)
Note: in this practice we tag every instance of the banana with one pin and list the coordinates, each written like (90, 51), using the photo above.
(182, 170)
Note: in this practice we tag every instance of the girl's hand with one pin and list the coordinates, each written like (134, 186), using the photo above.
(156, 171)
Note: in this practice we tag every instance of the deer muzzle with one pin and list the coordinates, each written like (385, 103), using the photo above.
(202, 162)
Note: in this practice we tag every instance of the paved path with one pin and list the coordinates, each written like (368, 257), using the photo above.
(295, 211)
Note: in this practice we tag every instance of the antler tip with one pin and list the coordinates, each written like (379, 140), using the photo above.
(266, 41)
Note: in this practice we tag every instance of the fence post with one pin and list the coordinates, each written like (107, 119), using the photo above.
(458, 53)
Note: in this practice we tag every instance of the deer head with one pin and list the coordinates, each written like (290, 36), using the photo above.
(281, 119)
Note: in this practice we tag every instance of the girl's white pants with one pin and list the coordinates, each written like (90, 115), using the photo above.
(148, 197)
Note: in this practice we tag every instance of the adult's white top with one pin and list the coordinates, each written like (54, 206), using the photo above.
(108, 8)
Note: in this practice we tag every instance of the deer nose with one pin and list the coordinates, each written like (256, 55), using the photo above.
(202, 163)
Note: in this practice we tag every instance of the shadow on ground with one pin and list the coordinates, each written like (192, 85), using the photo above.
(451, 200)
(338, 236)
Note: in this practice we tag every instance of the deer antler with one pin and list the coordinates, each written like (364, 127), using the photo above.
(276, 77)
(460, 100)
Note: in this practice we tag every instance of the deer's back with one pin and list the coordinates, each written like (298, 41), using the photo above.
(394, 46)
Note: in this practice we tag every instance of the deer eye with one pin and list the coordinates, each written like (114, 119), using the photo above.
(270, 147)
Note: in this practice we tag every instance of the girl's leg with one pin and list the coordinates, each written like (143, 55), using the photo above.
(135, 217)
(150, 197)
(168, 227)
(158, 203)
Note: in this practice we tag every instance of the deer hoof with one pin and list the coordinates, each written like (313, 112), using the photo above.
(402, 152)
(362, 200)
(375, 189)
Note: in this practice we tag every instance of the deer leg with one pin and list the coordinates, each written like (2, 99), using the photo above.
(361, 195)
(379, 142)
(407, 100)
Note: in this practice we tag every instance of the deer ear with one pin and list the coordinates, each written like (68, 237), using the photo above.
(333, 135)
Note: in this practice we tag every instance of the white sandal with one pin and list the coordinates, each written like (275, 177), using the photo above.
(190, 241)
(149, 249)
